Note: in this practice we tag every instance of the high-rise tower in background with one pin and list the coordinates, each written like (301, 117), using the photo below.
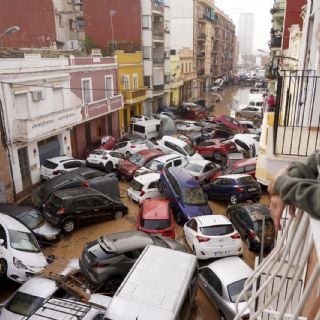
(245, 33)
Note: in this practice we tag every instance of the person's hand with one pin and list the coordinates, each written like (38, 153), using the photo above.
(271, 186)
(277, 207)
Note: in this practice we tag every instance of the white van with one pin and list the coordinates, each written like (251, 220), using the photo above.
(161, 285)
(147, 129)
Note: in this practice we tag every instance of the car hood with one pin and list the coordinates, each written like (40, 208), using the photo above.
(128, 166)
(35, 261)
(142, 171)
(7, 315)
(47, 231)
(197, 155)
(196, 211)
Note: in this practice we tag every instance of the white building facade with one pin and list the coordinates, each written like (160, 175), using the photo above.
(245, 33)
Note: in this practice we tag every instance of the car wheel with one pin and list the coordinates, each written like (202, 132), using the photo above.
(109, 167)
(248, 243)
(222, 316)
(68, 226)
(128, 154)
(3, 268)
(179, 217)
(160, 186)
(233, 199)
(118, 214)
(217, 155)
(112, 284)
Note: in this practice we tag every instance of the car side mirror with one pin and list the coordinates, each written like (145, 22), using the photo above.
(1, 242)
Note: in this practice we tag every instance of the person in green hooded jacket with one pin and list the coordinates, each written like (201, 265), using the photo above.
(298, 186)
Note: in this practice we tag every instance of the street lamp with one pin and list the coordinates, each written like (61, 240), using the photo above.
(10, 30)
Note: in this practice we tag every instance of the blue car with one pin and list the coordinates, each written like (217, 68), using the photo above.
(186, 196)
(234, 188)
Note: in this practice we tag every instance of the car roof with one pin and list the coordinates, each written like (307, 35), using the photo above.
(245, 162)
(150, 152)
(168, 157)
(234, 176)
(256, 211)
(15, 210)
(201, 162)
(39, 287)
(184, 177)
(156, 209)
(146, 123)
(12, 223)
(174, 140)
(230, 269)
(125, 241)
(148, 177)
(60, 159)
(209, 220)
(74, 192)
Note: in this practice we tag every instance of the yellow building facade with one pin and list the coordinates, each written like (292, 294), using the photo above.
(176, 80)
(130, 84)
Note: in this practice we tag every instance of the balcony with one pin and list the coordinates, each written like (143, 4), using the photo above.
(202, 37)
(200, 72)
(159, 87)
(201, 55)
(285, 285)
(158, 31)
(134, 96)
(275, 42)
(157, 7)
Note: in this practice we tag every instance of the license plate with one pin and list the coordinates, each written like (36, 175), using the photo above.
(222, 253)
(251, 189)
(94, 161)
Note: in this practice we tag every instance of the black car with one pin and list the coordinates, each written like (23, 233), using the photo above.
(34, 220)
(82, 177)
(69, 208)
(233, 188)
(248, 220)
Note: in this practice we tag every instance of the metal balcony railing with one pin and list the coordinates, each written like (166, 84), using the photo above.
(284, 286)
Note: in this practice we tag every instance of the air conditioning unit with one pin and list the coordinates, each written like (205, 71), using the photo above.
(37, 95)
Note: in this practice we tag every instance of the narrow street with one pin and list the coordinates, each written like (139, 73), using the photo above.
(70, 247)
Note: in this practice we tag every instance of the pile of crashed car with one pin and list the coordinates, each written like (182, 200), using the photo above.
(171, 177)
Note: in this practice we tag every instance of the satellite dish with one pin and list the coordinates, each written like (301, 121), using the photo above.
(72, 45)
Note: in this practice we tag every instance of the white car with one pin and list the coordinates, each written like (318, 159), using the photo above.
(20, 253)
(222, 281)
(28, 298)
(107, 160)
(58, 165)
(166, 161)
(138, 117)
(144, 187)
(201, 170)
(252, 128)
(212, 236)
(170, 144)
(128, 148)
(247, 142)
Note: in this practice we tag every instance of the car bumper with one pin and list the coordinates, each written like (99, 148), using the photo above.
(134, 197)
(99, 165)
(21, 275)
(93, 279)
(249, 196)
(55, 221)
(207, 252)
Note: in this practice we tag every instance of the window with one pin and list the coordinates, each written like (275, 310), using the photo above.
(153, 185)
(3, 236)
(86, 91)
(135, 84)
(73, 164)
(147, 81)
(126, 82)
(98, 201)
(109, 86)
(177, 162)
(146, 52)
(146, 22)
(193, 224)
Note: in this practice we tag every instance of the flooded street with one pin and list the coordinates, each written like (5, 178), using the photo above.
(70, 247)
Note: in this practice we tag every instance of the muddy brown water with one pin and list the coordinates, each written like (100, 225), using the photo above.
(70, 247)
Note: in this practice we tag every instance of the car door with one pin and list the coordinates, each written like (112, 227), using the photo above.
(152, 190)
(121, 147)
(81, 209)
(72, 165)
(214, 190)
(101, 208)
(190, 231)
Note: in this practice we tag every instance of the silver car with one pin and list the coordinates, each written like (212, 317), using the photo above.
(250, 112)
(106, 261)
(222, 281)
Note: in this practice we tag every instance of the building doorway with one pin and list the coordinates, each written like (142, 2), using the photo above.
(24, 167)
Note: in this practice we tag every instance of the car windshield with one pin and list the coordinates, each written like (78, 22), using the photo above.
(156, 224)
(189, 150)
(98, 152)
(137, 159)
(194, 196)
(193, 167)
(235, 288)
(136, 185)
(246, 180)
(218, 230)
(153, 165)
(50, 165)
(23, 241)
(31, 219)
(24, 304)
(268, 225)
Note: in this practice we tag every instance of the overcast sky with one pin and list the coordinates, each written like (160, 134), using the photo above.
(262, 17)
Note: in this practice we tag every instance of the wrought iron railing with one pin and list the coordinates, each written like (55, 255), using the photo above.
(297, 113)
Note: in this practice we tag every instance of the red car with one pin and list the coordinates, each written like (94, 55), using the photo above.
(192, 111)
(247, 166)
(155, 216)
(105, 143)
(128, 167)
(231, 124)
(216, 148)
